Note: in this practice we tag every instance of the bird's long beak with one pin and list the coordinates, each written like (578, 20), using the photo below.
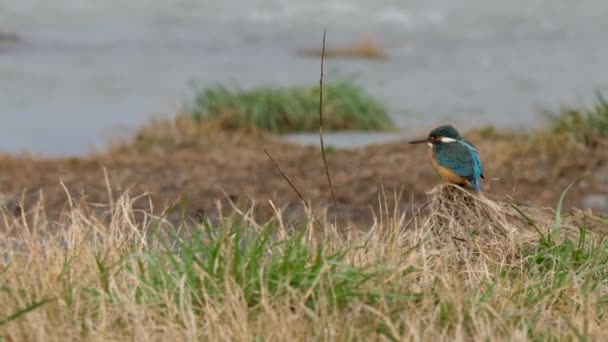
(420, 141)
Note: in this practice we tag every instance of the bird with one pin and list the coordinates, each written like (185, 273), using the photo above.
(455, 159)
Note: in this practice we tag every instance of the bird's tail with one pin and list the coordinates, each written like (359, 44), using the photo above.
(476, 184)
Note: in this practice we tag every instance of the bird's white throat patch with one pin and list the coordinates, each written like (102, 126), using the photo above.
(430, 145)
(447, 140)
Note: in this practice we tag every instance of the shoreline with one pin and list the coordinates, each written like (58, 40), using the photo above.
(201, 168)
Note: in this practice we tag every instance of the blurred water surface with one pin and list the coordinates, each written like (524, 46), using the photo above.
(88, 70)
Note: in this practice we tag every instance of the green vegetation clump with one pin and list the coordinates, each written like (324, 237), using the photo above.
(257, 261)
(345, 107)
(586, 125)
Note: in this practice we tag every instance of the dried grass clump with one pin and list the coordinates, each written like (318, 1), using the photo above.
(466, 214)
(9, 37)
(181, 132)
(469, 219)
(367, 48)
(477, 226)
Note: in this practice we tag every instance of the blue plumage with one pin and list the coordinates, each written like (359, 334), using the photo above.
(455, 154)
(462, 158)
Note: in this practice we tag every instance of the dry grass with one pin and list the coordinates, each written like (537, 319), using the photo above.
(367, 48)
(181, 132)
(9, 37)
(469, 268)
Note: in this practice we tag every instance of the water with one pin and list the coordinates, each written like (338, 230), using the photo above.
(89, 70)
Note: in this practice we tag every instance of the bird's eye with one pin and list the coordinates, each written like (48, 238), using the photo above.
(433, 136)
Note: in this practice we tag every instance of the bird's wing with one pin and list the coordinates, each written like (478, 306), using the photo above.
(460, 158)
(477, 164)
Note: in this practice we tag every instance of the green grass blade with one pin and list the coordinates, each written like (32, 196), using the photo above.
(558, 209)
(25, 310)
(529, 220)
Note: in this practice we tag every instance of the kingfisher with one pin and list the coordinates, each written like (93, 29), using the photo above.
(455, 159)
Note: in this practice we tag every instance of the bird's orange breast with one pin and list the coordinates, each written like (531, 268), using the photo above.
(447, 174)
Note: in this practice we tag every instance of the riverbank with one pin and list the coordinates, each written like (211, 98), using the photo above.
(196, 168)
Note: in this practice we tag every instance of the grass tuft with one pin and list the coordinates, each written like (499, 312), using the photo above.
(571, 133)
(258, 262)
(9, 37)
(367, 48)
(586, 125)
(346, 107)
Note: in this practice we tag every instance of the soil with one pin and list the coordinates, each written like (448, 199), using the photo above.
(236, 169)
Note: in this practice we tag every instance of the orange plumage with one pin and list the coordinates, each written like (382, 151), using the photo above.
(448, 175)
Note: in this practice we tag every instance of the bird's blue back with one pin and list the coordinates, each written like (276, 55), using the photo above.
(461, 157)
